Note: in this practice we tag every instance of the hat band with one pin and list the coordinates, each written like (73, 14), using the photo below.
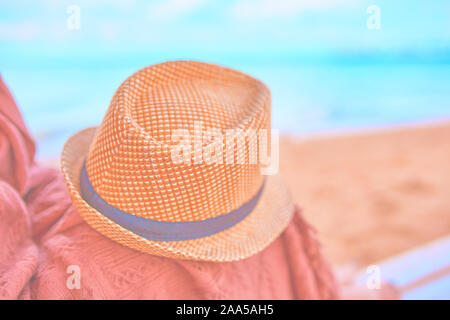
(160, 230)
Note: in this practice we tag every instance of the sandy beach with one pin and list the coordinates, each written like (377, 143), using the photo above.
(373, 194)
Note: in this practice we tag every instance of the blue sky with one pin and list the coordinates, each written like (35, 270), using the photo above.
(264, 29)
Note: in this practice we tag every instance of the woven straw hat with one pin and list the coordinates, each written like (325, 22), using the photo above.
(124, 181)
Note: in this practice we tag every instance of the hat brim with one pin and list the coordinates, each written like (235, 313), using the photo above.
(254, 233)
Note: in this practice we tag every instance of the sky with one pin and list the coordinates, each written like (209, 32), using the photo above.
(247, 29)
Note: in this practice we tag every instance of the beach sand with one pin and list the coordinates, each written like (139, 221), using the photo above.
(374, 194)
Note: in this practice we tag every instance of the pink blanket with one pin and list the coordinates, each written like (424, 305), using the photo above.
(48, 252)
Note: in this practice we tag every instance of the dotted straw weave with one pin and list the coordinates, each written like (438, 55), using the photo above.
(128, 160)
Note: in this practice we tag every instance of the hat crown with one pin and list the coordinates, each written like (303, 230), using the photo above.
(130, 162)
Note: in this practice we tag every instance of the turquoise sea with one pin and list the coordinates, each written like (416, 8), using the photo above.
(307, 97)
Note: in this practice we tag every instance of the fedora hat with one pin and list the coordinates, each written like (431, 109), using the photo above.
(124, 181)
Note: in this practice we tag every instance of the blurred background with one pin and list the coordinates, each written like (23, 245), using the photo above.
(332, 65)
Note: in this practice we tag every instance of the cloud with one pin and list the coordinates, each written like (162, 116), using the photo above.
(24, 31)
(248, 9)
(172, 9)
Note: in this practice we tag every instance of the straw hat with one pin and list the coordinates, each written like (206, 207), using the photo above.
(124, 181)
